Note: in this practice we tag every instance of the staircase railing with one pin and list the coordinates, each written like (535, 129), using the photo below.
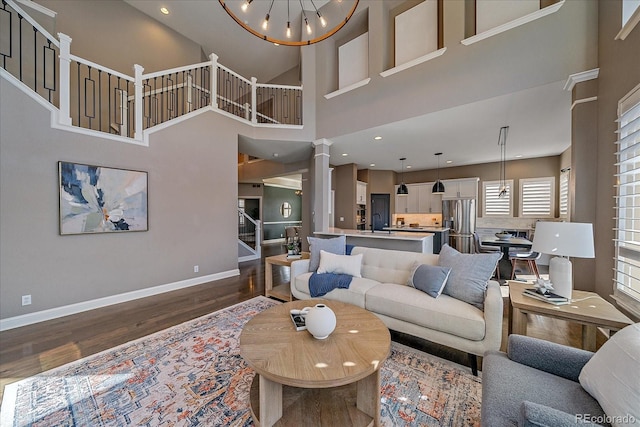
(249, 232)
(96, 98)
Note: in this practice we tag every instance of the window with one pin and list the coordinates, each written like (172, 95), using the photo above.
(537, 197)
(627, 231)
(565, 176)
(495, 206)
(630, 17)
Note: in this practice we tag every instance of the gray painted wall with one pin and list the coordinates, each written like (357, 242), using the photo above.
(192, 203)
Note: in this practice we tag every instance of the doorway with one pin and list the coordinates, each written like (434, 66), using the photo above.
(380, 210)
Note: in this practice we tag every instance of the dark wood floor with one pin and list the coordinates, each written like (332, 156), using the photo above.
(29, 350)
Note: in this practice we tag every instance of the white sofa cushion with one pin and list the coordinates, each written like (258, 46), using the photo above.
(389, 266)
(445, 314)
(340, 264)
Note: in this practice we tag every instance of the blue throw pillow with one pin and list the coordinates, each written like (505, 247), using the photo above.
(335, 246)
(469, 274)
(430, 279)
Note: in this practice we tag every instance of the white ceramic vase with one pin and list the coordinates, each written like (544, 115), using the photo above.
(320, 321)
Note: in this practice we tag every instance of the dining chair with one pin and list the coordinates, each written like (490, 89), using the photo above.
(529, 257)
(480, 249)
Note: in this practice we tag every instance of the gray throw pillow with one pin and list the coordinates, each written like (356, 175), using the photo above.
(469, 274)
(430, 279)
(335, 246)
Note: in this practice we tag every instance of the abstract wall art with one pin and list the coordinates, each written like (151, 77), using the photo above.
(97, 199)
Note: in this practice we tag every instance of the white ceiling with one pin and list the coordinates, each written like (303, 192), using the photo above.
(538, 118)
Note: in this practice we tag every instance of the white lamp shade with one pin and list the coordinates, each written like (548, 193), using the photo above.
(563, 239)
(572, 239)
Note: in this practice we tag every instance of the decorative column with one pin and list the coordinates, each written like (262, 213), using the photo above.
(321, 185)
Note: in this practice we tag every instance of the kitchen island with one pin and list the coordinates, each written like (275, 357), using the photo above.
(399, 240)
(441, 234)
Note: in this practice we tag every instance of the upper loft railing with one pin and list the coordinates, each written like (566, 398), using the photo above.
(94, 97)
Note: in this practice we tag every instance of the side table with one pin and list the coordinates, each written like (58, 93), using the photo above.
(281, 292)
(587, 308)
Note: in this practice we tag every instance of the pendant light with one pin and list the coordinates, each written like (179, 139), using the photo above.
(502, 142)
(402, 189)
(438, 187)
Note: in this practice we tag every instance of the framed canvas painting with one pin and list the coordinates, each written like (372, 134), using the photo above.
(97, 199)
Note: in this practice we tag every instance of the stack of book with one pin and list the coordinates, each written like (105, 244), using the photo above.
(549, 297)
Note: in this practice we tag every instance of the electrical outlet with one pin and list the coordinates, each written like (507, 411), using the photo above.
(196, 268)
(26, 299)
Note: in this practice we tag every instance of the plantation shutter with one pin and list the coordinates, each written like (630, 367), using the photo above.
(564, 192)
(495, 206)
(536, 197)
(627, 231)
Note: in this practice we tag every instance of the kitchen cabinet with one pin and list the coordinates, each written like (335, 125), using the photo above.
(419, 200)
(361, 193)
(401, 201)
(464, 188)
(429, 202)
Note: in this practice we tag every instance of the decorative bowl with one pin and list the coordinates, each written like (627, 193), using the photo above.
(504, 236)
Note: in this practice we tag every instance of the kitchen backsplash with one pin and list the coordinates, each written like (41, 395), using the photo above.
(421, 219)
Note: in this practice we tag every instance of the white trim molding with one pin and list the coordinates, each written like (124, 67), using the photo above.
(414, 62)
(582, 101)
(54, 313)
(629, 25)
(37, 7)
(513, 24)
(349, 88)
(580, 77)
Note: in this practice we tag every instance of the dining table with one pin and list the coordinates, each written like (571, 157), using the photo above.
(505, 245)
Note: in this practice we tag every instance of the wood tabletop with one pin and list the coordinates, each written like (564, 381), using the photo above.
(283, 259)
(274, 349)
(587, 307)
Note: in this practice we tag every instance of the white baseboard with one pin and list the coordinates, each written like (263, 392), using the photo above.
(54, 313)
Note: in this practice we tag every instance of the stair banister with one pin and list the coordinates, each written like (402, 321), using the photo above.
(139, 86)
(64, 117)
(214, 80)
(254, 100)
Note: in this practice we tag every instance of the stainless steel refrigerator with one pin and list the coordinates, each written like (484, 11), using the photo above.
(460, 216)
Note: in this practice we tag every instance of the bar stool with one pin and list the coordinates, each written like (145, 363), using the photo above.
(529, 257)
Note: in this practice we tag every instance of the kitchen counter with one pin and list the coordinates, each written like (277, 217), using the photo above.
(422, 228)
(441, 234)
(399, 240)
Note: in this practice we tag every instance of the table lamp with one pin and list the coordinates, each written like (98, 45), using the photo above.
(564, 240)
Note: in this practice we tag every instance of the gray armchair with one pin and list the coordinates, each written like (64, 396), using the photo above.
(536, 384)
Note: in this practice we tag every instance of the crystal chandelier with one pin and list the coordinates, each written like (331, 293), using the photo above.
(291, 22)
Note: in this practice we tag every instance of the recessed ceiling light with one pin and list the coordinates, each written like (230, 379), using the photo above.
(275, 154)
(518, 156)
(449, 161)
(372, 165)
(164, 10)
(377, 138)
(408, 166)
(344, 154)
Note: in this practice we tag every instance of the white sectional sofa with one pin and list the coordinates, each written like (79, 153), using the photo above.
(383, 290)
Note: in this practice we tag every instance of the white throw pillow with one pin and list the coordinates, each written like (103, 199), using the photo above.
(612, 376)
(340, 264)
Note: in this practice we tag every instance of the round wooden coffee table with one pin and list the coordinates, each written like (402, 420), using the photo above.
(335, 381)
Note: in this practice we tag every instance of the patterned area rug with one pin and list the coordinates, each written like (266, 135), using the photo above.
(192, 375)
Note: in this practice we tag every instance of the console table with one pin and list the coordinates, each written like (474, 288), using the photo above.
(587, 308)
